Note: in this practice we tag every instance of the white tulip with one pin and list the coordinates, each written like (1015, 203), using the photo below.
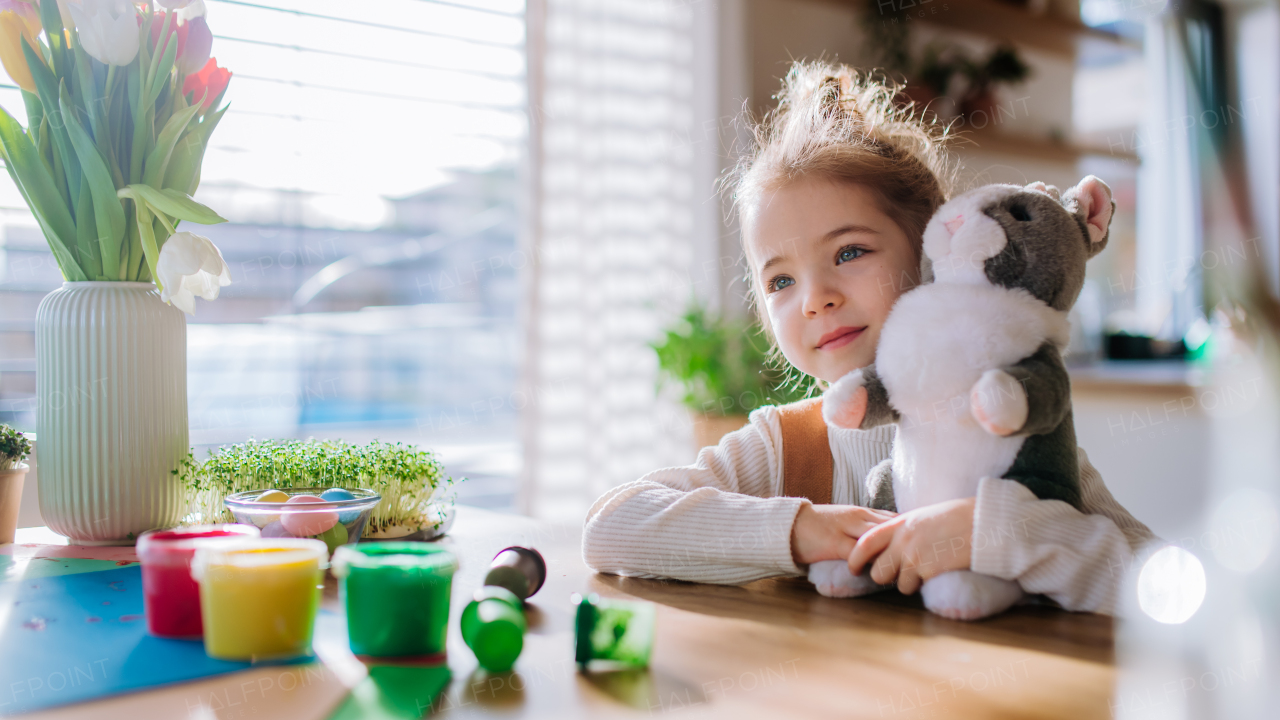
(190, 265)
(108, 29)
(194, 9)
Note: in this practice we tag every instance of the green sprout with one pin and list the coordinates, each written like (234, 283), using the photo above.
(410, 480)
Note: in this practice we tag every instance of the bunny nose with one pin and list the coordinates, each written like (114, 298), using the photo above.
(954, 224)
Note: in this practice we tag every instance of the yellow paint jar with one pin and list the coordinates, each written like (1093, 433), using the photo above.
(259, 598)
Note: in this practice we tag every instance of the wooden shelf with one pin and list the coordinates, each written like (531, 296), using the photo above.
(1010, 23)
(1158, 376)
(1031, 148)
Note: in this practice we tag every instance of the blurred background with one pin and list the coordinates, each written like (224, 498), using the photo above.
(467, 225)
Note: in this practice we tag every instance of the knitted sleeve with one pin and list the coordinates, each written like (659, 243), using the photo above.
(716, 521)
(1078, 559)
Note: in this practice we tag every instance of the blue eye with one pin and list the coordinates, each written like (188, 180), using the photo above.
(780, 282)
(849, 253)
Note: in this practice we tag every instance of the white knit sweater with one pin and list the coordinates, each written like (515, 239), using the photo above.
(721, 520)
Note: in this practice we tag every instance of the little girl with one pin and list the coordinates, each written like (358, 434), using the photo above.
(833, 202)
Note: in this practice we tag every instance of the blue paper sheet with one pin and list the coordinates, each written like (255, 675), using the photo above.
(78, 637)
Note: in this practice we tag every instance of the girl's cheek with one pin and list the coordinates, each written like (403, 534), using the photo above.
(784, 317)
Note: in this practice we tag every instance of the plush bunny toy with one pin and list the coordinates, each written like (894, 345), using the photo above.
(970, 368)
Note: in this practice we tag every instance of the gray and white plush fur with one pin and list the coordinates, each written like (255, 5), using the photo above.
(969, 366)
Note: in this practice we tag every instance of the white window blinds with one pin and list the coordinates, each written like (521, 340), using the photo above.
(612, 238)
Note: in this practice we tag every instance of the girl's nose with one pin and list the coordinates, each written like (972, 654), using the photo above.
(954, 224)
(820, 297)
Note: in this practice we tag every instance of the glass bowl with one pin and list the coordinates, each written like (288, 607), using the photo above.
(335, 522)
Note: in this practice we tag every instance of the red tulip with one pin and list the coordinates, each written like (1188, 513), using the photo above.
(211, 78)
(157, 23)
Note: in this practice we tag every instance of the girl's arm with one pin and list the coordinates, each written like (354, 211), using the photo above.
(715, 521)
(1077, 559)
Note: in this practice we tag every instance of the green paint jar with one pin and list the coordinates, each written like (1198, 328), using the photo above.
(616, 633)
(493, 626)
(396, 595)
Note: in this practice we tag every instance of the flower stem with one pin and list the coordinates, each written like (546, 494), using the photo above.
(163, 221)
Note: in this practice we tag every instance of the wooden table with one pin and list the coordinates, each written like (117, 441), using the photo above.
(769, 649)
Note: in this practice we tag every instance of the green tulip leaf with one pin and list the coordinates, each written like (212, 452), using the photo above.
(36, 185)
(47, 87)
(184, 162)
(149, 248)
(160, 73)
(174, 203)
(86, 244)
(158, 160)
(35, 111)
(51, 21)
(107, 210)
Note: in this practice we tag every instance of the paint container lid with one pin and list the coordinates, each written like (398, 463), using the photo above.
(493, 626)
(263, 552)
(518, 569)
(176, 545)
(395, 556)
(618, 632)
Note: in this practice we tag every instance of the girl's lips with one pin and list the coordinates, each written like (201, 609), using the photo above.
(840, 337)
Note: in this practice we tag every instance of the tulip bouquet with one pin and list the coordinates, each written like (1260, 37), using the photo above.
(120, 100)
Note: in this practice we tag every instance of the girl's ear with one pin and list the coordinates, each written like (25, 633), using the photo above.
(1094, 204)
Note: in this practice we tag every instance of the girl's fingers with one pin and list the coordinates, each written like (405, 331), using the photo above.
(870, 544)
(909, 578)
(888, 564)
(857, 528)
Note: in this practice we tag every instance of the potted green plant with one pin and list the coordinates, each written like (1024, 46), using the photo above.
(1002, 67)
(724, 370)
(412, 482)
(13, 450)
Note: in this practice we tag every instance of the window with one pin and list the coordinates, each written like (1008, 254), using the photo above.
(368, 169)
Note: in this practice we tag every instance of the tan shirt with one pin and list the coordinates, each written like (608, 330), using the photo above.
(722, 520)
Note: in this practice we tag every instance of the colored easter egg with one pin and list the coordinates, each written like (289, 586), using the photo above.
(346, 517)
(306, 524)
(274, 496)
(275, 530)
(334, 536)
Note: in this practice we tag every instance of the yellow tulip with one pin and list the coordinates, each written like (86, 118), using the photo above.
(15, 25)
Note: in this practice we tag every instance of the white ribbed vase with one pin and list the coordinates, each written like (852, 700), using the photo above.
(111, 381)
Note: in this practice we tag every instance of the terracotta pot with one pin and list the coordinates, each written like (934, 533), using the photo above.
(10, 500)
(708, 429)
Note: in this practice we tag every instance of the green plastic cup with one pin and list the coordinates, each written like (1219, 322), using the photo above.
(396, 595)
(615, 633)
(493, 626)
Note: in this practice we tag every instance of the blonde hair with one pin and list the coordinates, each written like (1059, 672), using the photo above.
(836, 123)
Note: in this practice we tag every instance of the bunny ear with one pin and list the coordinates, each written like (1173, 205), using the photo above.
(1049, 190)
(1094, 204)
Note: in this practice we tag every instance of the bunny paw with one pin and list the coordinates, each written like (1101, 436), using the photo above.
(844, 405)
(998, 403)
(833, 579)
(966, 595)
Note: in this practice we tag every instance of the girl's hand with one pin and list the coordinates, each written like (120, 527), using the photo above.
(829, 532)
(918, 545)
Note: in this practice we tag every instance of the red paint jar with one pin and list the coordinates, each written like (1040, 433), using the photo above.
(170, 595)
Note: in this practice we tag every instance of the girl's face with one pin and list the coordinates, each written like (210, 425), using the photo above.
(829, 266)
